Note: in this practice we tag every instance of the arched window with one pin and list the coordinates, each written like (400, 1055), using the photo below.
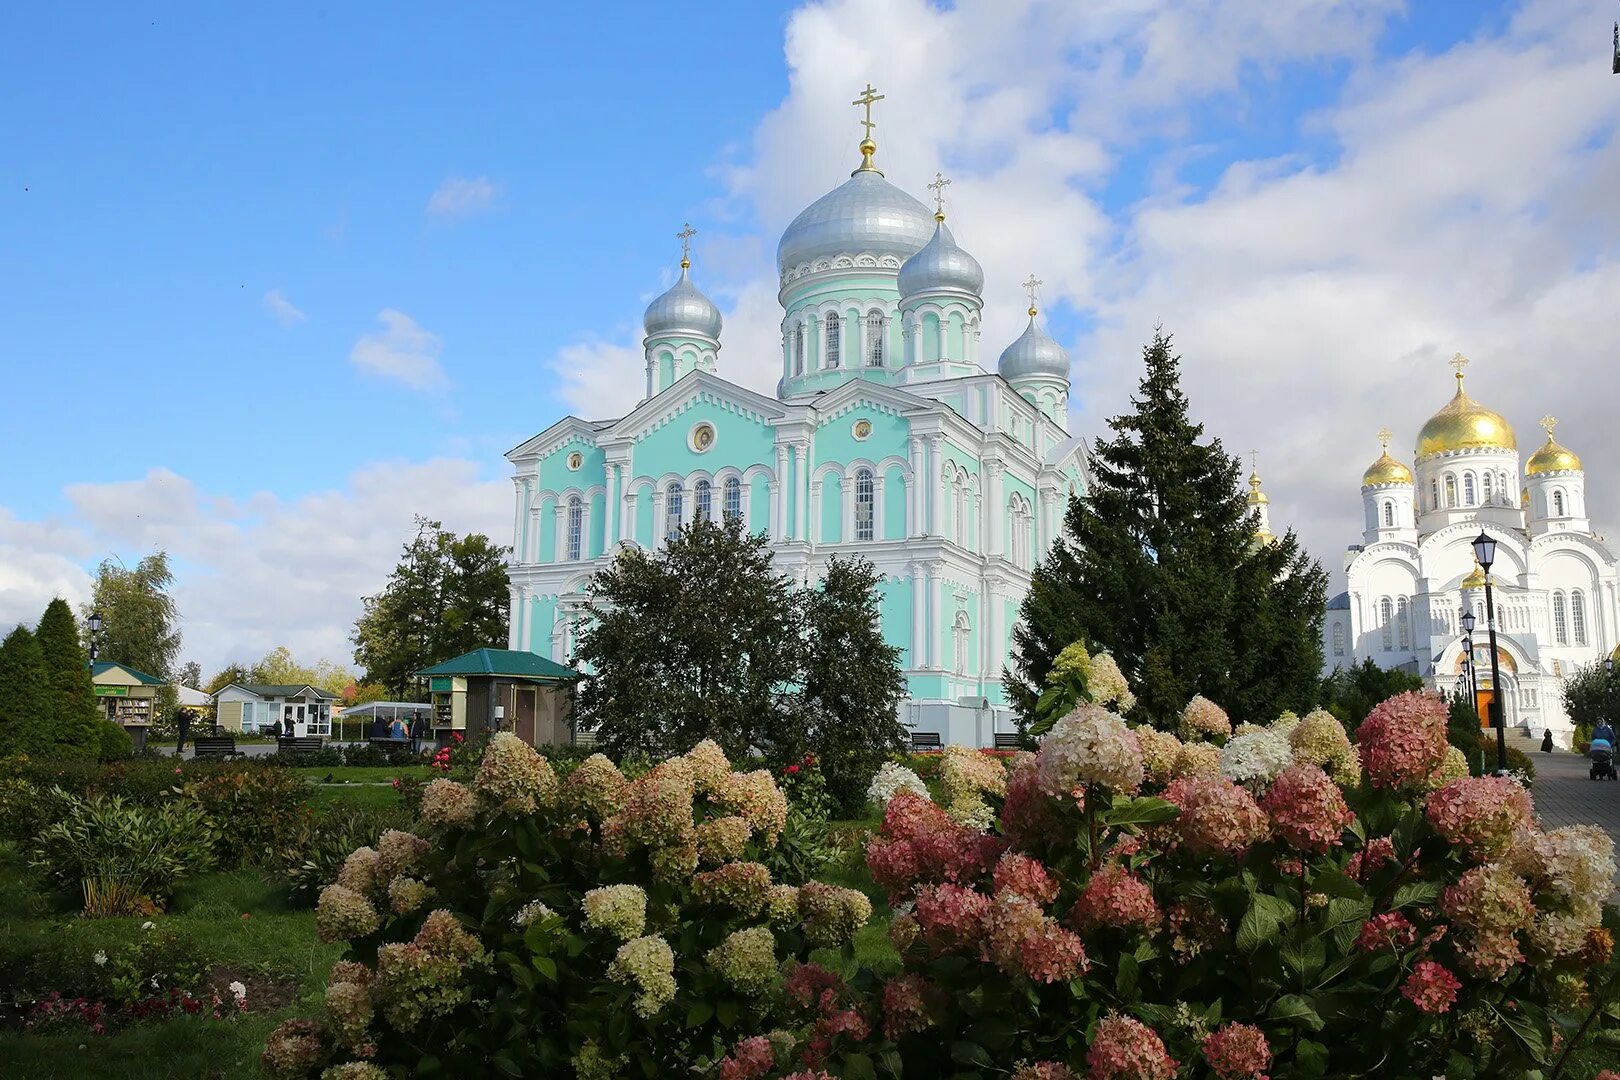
(576, 526)
(1451, 491)
(1403, 623)
(960, 631)
(1386, 619)
(1389, 514)
(733, 498)
(833, 344)
(1338, 639)
(1577, 615)
(1558, 504)
(874, 340)
(863, 504)
(1434, 494)
(1485, 494)
(1468, 489)
(702, 501)
(798, 349)
(1560, 620)
(672, 510)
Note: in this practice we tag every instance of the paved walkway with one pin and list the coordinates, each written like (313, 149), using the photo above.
(1566, 794)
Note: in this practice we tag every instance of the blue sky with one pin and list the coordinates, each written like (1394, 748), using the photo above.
(207, 212)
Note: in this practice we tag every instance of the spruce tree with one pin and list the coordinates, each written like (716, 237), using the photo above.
(1160, 566)
(25, 708)
(74, 727)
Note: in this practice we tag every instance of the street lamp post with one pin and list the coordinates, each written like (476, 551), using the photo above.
(1468, 621)
(95, 631)
(1485, 552)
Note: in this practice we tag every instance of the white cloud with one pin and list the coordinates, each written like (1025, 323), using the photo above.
(285, 312)
(252, 573)
(1459, 200)
(400, 350)
(460, 197)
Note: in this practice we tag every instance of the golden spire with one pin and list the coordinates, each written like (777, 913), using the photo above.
(685, 237)
(868, 146)
(1384, 435)
(1547, 423)
(1032, 286)
(1256, 496)
(938, 188)
(1458, 361)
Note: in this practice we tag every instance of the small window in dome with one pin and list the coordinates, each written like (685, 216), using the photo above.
(832, 340)
(798, 350)
(874, 340)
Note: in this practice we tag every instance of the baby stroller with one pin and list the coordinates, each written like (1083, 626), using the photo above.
(1602, 754)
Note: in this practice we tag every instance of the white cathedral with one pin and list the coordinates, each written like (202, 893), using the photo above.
(1412, 576)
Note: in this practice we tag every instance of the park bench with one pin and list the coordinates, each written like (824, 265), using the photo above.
(1007, 740)
(389, 743)
(298, 745)
(925, 740)
(205, 747)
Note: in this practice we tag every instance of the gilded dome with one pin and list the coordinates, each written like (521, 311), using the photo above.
(682, 309)
(1465, 424)
(1476, 579)
(864, 215)
(1552, 458)
(1386, 470)
(941, 266)
(1256, 497)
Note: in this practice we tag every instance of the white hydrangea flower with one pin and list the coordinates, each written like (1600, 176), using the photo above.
(1255, 756)
(530, 913)
(1107, 684)
(891, 779)
(1089, 746)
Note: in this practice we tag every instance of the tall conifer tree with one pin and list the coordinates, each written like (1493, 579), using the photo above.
(1161, 567)
(74, 729)
(25, 713)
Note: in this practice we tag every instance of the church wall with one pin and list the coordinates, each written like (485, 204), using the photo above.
(894, 614)
(644, 516)
(596, 543)
(556, 476)
(835, 440)
(759, 504)
(832, 509)
(894, 504)
(548, 530)
(740, 441)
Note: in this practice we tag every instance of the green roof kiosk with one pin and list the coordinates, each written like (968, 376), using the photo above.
(504, 690)
(127, 697)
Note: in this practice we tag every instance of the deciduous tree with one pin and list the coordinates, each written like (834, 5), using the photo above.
(139, 618)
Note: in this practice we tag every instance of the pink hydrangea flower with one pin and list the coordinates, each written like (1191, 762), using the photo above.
(1379, 851)
(1403, 739)
(1307, 809)
(1488, 899)
(811, 986)
(1431, 987)
(1025, 876)
(1217, 816)
(1480, 814)
(750, 1059)
(1043, 1070)
(952, 917)
(1127, 1049)
(1238, 1052)
(1023, 940)
(1117, 898)
(1490, 955)
(1027, 813)
(1391, 930)
(920, 845)
(910, 1004)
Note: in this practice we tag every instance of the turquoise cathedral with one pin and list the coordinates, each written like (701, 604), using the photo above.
(887, 438)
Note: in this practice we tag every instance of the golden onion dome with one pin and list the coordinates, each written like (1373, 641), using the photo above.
(1464, 424)
(1551, 457)
(1475, 580)
(1256, 496)
(1386, 470)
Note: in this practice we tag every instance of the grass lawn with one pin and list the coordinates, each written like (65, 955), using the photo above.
(275, 942)
(326, 795)
(363, 774)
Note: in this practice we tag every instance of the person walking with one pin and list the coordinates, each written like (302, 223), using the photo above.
(182, 720)
(1603, 731)
(418, 732)
(398, 730)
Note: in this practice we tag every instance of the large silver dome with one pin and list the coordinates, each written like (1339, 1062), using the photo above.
(682, 308)
(1034, 353)
(941, 266)
(864, 214)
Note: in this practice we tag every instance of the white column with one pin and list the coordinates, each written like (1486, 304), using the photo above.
(880, 526)
(936, 606)
(532, 547)
(935, 525)
(919, 616)
(517, 518)
(996, 544)
(779, 495)
(914, 500)
(611, 506)
(814, 534)
(513, 638)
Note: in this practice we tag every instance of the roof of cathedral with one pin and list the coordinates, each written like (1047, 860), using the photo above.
(1464, 424)
(941, 265)
(1034, 353)
(1256, 497)
(1340, 602)
(1386, 470)
(1475, 579)
(864, 215)
(680, 308)
(1552, 457)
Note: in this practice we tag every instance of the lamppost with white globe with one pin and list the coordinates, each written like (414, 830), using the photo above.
(1485, 552)
(1467, 622)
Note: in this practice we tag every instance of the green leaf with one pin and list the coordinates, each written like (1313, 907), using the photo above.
(547, 967)
(859, 1067)
(1293, 1009)
(1311, 1058)
(699, 1014)
(1126, 978)
(506, 1065)
(1260, 924)
(1526, 1032)
(727, 1011)
(1144, 810)
(969, 1053)
(1306, 957)
(1415, 892)
(889, 1062)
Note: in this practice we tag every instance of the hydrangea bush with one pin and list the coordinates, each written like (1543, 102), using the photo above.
(592, 927)
(1262, 906)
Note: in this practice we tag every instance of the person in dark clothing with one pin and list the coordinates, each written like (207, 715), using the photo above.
(1546, 742)
(182, 720)
(418, 732)
(379, 728)
(275, 729)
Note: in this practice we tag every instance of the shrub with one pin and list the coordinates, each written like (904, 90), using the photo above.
(310, 860)
(136, 964)
(254, 810)
(126, 857)
(115, 743)
(806, 788)
(594, 927)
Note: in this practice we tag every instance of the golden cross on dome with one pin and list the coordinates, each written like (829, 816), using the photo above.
(1032, 286)
(938, 188)
(1458, 361)
(1254, 460)
(1384, 435)
(685, 237)
(867, 98)
(1548, 423)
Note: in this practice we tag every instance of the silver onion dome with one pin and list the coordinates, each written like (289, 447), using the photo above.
(941, 266)
(682, 308)
(864, 214)
(1034, 353)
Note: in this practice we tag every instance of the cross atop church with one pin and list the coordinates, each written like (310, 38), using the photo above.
(1384, 435)
(685, 237)
(868, 97)
(938, 188)
(1548, 423)
(1458, 361)
(1032, 286)
(1254, 460)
